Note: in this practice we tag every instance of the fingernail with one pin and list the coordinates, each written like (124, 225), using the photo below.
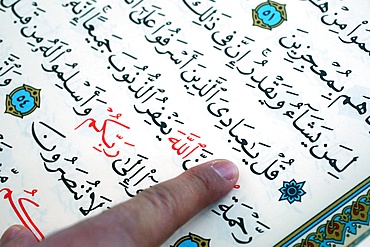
(10, 234)
(226, 169)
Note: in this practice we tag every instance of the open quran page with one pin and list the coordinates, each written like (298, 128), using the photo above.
(100, 100)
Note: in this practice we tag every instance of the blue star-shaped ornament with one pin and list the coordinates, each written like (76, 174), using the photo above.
(292, 191)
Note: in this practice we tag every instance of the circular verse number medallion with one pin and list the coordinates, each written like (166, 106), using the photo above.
(22, 101)
(269, 15)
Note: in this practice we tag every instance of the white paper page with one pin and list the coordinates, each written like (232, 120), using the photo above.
(102, 100)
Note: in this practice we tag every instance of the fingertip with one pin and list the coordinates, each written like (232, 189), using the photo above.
(9, 234)
(17, 235)
(218, 177)
(226, 169)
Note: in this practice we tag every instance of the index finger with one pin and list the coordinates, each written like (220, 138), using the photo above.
(156, 213)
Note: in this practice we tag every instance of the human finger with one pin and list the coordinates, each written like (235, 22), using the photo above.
(153, 215)
(17, 235)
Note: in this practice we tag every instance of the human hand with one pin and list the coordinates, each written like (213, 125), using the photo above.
(146, 220)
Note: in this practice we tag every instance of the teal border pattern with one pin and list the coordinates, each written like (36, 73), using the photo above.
(339, 225)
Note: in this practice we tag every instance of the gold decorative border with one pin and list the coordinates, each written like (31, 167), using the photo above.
(361, 190)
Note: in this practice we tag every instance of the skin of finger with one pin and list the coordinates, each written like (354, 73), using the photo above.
(23, 238)
(152, 216)
(10, 233)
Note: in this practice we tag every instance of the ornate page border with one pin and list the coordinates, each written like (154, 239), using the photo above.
(348, 214)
